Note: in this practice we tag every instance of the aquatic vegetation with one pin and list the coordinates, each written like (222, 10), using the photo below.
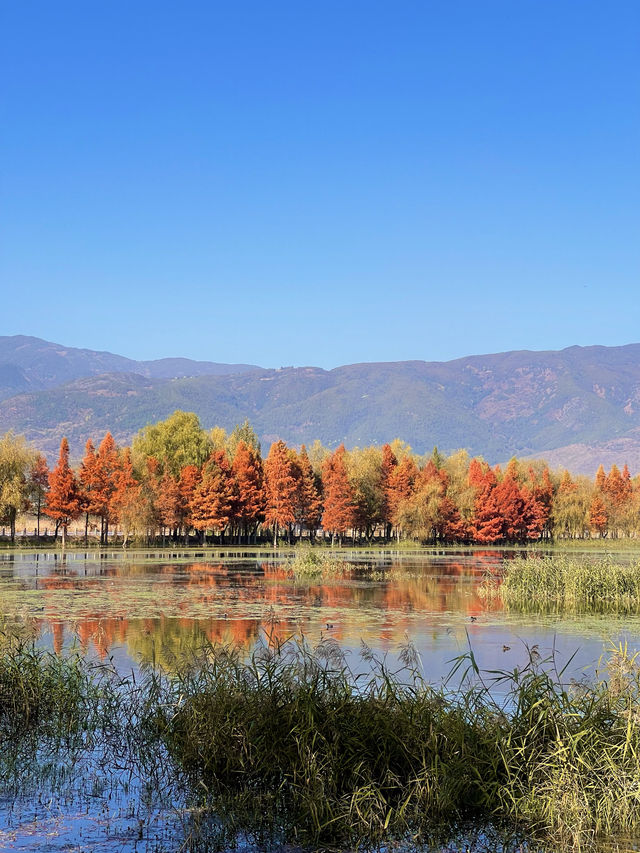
(309, 563)
(293, 745)
(567, 582)
(41, 689)
(293, 742)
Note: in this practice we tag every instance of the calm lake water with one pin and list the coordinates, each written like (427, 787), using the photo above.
(152, 606)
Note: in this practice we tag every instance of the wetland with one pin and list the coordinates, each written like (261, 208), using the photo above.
(180, 675)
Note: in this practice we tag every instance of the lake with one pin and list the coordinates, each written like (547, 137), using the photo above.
(151, 605)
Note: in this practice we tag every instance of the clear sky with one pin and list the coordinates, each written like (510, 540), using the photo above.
(320, 182)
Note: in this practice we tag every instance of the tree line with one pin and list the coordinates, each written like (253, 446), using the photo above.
(178, 481)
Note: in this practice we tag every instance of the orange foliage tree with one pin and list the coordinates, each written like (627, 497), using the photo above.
(399, 489)
(339, 503)
(63, 501)
(190, 477)
(307, 500)
(486, 523)
(280, 488)
(248, 504)
(213, 496)
(106, 467)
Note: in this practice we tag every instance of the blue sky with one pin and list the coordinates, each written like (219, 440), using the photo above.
(320, 183)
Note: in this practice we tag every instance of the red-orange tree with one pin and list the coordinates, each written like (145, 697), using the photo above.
(248, 504)
(280, 487)
(190, 477)
(399, 489)
(486, 524)
(339, 503)
(168, 500)
(307, 500)
(98, 476)
(213, 497)
(63, 501)
(89, 481)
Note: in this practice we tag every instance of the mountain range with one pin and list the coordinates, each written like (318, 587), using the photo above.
(575, 407)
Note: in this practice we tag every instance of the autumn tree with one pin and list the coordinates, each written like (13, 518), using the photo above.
(307, 508)
(617, 489)
(248, 504)
(130, 505)
(487, 522)
(510, 505)
(168, 497)
(64, 502)
(188, 482)
(280, 488)
(399, 489)
(537, 493)
(107, 464)
(339, 498)
(213, 497)
(598, 515)
(90, 484)
(389, 462)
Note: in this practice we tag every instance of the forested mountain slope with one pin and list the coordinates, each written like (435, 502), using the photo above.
(573, 406)
(30, 364)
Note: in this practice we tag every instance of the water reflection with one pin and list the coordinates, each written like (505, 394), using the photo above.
(151, 607)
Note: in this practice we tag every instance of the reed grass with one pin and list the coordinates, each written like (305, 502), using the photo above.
(41, 689)
(293, 745)
(572, 583)
(294, 739)
(309, 563)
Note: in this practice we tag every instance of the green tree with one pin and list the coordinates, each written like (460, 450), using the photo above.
(246, 433)
(16, 459)
(175, 442)
(365, 471)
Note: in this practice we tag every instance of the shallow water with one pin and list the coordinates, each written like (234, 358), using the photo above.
(149, 607)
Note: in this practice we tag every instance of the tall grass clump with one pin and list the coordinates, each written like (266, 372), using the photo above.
(43, 692)
(294, 743)
(571, 583)
(309, 563)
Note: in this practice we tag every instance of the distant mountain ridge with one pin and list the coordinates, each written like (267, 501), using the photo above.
(577, 406)
(31, 364)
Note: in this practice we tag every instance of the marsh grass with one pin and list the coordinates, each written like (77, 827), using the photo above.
(312, 564)
(563, 582)
(294, 744)
(297, 745)
(39, 689)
